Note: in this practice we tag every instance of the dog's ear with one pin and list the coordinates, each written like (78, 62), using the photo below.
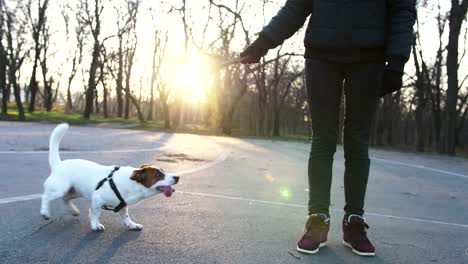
(145, 165)
(139, 175)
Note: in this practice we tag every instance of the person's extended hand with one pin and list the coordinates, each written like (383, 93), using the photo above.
(393, 76)
(255, 51)
(392, 82)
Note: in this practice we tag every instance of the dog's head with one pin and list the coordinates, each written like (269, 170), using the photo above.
(155, 178)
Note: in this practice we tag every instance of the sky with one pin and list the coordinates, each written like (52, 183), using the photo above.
(153, 15)
(189, 77)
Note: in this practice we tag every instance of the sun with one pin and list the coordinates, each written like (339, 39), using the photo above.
(191, 79)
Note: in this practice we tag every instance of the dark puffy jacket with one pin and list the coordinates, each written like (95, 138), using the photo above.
(347, 26)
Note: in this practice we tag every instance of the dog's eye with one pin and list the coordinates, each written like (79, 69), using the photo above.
(159, 174)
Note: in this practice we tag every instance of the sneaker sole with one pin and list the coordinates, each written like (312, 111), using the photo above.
(311, 252)
(364, 254)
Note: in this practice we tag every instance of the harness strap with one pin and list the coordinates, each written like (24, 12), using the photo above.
(101, 182)
(122, 203)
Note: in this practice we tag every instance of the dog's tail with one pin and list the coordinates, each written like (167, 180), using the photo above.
(54, 143)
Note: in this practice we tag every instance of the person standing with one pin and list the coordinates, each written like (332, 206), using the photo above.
(359, 47)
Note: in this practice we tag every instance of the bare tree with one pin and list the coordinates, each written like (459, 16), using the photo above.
(103, 61)
(158, 77)
(76, 55)
(281, 82)
(462, 108)
(130, 50)
(130, 55)
(160, 42)
(92, 19)
(3, 61)
(457, 16)
(422, 87)
(262, 87)
(48, 81)
(184, 17)
(15, 35)
(36, 24)
(435, 92)
(178, 105)
(126, 20)
(229, 96)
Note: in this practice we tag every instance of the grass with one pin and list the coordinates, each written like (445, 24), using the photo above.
(59, 116)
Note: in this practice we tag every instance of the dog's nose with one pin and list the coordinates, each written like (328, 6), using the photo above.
(176, 178)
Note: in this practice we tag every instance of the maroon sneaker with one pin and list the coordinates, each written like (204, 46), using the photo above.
(315, 234)
(355, 235)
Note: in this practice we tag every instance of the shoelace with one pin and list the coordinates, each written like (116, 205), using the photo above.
(359, 229)
(315, 228)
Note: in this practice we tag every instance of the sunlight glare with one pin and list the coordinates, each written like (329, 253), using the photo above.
(191, 79)
(285, 194)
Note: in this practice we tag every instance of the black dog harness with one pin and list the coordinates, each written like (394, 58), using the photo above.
(122, 203)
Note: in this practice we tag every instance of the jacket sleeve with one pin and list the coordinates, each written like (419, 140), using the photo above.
(402, 15)
(289, 19)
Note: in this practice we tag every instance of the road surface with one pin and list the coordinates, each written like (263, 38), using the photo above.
(238, 201)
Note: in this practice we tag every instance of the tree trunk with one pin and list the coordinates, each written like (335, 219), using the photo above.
(3, 85)
(19, 104)
(33, 86)
(69, 105)
(419, 128)
(96, 31)
(276, 122)
(227, 119)
(48, 95)
(127, 103)
(128, 74)
(119, 87)
(166, 114)
(138, 108)
(89, 96)
(275, 107)
(96, 101)
(457, 15)
(5, 98)
(17, 92)
(3, 65)
(104, 101)
(262, 118)
(151, 104)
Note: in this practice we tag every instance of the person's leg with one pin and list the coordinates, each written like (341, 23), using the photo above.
(361, 84)
(324, 81)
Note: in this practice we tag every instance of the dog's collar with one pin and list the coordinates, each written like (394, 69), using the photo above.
(122, 203)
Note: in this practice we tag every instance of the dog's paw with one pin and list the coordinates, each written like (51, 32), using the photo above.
(76, 213)
(74, 210)
(98, 228)
(45, 217)
(134, 227)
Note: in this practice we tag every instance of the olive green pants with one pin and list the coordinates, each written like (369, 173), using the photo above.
(325, 82)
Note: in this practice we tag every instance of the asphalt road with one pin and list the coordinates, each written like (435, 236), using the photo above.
(239, 201)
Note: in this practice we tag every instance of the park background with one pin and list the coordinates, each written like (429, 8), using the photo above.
(156, 65)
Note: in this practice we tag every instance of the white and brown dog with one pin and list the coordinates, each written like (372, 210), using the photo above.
(104, 186)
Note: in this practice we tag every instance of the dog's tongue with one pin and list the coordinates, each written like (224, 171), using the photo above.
(167, 190)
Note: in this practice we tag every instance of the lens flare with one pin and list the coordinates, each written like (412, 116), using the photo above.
(285, 194)
(269, 178)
